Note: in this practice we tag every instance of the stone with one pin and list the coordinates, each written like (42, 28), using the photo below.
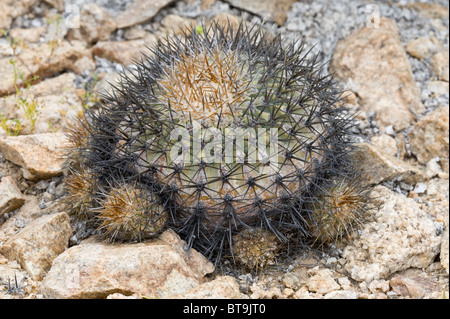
(322, 282)
(58, 4)
(105, 85)
(140, 11)
(207, 4)
(224, 18)
(222, 287)
(385, 143)
(416, 286)
(86, 63)
(56, 100)
(134, 33)
(438, 88)
(120, 296)
(37, 245)
(440, 65)
(11, 273)
(29, 35)
(401, 236)
(430, 10)
(260, 291)
(272, 10)
(291, 280)
(41, 155)
(433, 168)
(373, 63)
(341, 294)
(444, 250)
(377, 286)
(429, 138)
(177, 25)
(377, 167)
(10, 9)
(124, 52)
(95, 25)
(11, 197)
(159, 268)
(423, 47)
(41, 61)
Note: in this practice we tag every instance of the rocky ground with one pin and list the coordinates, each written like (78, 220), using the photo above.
(392, 58)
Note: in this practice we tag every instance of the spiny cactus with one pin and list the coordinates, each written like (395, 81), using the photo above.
(213, 133)
(340, 207)
(255, 248)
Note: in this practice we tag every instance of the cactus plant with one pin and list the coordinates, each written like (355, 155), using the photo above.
(222, 130)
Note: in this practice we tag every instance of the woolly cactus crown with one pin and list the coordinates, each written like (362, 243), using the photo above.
(221, 130)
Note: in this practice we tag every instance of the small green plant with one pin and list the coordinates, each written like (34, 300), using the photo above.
(55, 32)
(27, 103)
(11, 127)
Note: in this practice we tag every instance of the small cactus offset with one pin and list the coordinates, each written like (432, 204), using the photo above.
(220, 135)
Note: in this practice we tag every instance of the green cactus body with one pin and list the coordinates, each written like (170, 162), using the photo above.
(224, 129)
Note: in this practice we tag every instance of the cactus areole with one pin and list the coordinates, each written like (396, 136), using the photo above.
(221, 130)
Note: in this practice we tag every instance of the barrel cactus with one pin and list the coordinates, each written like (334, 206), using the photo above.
(219, 132)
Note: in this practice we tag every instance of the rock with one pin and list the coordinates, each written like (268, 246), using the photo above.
(42, 61)
(223, 287)
(123, 52)
(95, 25)
(385, 143)
(56, 100)
(105, 85)
(402, 236)
(9, 270)
(423, 47)
(375, 66)
(273, 10)
(260, 291)
(41, 155)
(341, 294)
(438, 88)
(155, 269)
(175, 24)
(416, 287)
(35, 247)
(86, 63)
(30, 35)
(377, 167)
(433, 168)
(440, 65)
(322, 281)
(429, 138)
(444, 250)
(420, 188)
(430, 10)
(58, 4)
(120, 296)
(10, 195)
(134, 33)
(140, 11)
(291, 280)
(10, 9)
(377, 286)
(26, 214)
(206, 4)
